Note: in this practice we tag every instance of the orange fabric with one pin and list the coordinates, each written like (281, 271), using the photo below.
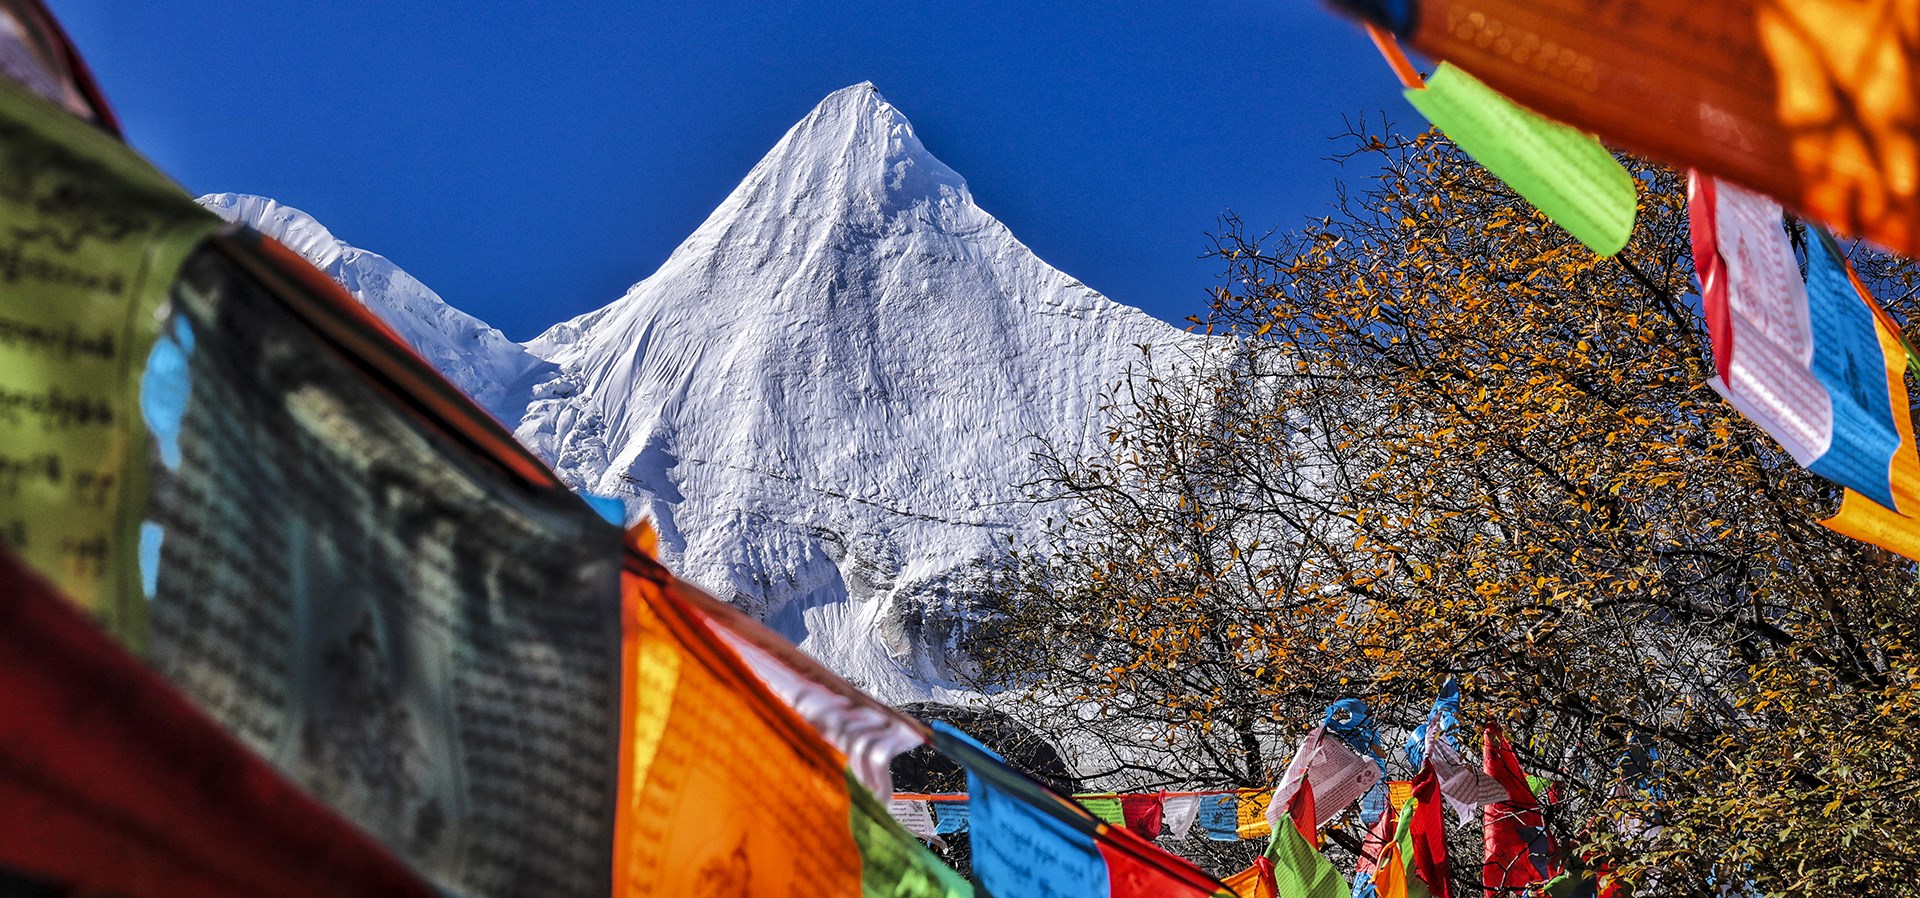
(1255, 881)
(1815, 102)
(694, 722)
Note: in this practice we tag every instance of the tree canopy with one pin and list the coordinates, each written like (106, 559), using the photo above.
(1434, 436)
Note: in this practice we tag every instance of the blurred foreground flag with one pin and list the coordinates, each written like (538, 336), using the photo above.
(696, 718)
(1814, 363)
(1813, 102)
(1566, 174)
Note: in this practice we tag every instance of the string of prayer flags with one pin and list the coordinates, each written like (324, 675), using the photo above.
(1299, 869)
(1028, 841)
(1810, 102)
(1340, 776)
(1144, 814)
(1428, 830)
(1568, 175)
(1518, 848)
(1812, 362)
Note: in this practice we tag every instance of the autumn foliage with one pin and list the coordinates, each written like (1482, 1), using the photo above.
(1435, 436)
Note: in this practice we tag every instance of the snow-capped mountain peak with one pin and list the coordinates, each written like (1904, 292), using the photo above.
(827, 399)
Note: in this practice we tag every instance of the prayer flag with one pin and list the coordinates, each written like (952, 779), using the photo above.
(951, 817)
(1465, 787)
(1566, 174)
(1105, 807)
(95, 237)
(1340, 776)
(1429, 832)
(1445, 717)
(1813, 363)
(913, 816)
(1251, 822)
(1143, 814)
(1393, 876)
(1220, 817)
(1178, 814)
(1300, 811)
(1257, 881)
(1517, 844)
(695, 716)
(1299, 869)
(1810, 102)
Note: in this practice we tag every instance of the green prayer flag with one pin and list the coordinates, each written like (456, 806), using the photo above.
(91, 238)
(1299, 869)
(1106, 808)
(1564, 172)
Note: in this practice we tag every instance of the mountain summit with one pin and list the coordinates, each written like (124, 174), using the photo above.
(827, 398)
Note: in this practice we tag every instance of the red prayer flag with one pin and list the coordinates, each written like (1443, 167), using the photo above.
(1143, 814)
(1517, 845)
(1429, 829)
(1300, 808)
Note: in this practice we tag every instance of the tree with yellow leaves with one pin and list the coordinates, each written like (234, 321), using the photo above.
(1437, 437)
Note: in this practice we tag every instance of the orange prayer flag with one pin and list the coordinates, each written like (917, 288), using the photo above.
(693, 717)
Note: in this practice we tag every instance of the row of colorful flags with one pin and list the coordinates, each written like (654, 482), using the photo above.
(1814, 107)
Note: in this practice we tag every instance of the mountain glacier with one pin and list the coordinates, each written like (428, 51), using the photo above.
(827, 398)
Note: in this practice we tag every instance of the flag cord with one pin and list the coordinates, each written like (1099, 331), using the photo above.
(1396, 58)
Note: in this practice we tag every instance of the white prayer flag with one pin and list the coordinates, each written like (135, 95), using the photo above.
(1464, 786)
(1177, 813)
(915, 816)
(1338, 774)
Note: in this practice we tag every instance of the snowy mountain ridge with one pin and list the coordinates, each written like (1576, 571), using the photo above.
(827, 398)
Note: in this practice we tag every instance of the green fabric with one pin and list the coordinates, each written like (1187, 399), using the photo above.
(91, 238)
(893, 864)
(1403, 841)
(1562, 171)
(1107, 809)
(1299, 869)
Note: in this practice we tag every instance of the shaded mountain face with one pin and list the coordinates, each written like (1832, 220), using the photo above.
(827, 398)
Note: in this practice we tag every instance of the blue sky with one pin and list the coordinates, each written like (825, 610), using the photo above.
(530, 161)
